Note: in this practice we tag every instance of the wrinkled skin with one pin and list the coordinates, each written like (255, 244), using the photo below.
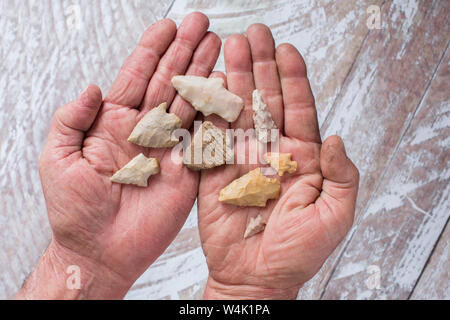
(123, 227)
(114, 232)
(316, 206)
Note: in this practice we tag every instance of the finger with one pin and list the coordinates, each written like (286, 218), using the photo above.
(175, 61)
(72, 121)
(341, 179)
(238, 65)
(215, 119)
(265, 70)
(132, 82)
(203, 61)
(300, 116)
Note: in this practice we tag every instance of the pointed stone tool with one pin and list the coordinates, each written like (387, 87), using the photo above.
(252, 189)
(155, 129)
(137, 171)
(208, 95)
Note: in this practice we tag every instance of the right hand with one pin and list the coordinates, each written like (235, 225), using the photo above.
(317, 203)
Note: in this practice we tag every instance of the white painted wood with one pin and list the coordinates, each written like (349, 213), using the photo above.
(46, 59)
(408, 212)
(434, 283)
(375, 108)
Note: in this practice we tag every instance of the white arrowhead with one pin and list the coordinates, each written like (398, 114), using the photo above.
(155, 129)
(262, 118)
(254, 226)
(137, 171)
(208, 95)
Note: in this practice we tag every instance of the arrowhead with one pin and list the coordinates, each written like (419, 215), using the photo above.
(262, 118)
(137, 171)
(208, 148)
(155, 129)
(254, 226)
(208, 95)
(281, 162)
(252, 189)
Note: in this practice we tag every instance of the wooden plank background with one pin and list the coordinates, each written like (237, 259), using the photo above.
(385, 91)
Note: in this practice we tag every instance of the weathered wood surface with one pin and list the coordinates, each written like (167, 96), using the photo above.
(47, 57)
(437, 271)
(379, 99)
(409, 210)
(368, 85)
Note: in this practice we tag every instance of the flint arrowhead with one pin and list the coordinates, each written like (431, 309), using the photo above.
(262, 118)
(155, 129)
(281, 162)
(208, 148)
(137, 171)
(254, 226)
(252, 189)
(208, 95)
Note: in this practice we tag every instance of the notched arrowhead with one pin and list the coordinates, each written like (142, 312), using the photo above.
(155, 129)
(208, 95)
(254, 226)
(281, 162)
(262, 119)
(208, 149)
(137, 171)
(252, 189)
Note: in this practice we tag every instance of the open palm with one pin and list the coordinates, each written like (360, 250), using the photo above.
(123, 227)
(316, 206)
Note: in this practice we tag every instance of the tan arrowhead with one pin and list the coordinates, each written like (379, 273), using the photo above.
(208, 95)
(155, 129)
(137, 171)
(208, 148)
(262, 118)
(281, 162)
(254, 226)
(252, 189)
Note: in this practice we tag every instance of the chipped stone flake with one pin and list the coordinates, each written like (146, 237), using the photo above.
(262, 119)
(155, 129)
(208, 149)
(208, 95)
(137, 171)
(254, 226)
(281, 162)
(252, 189)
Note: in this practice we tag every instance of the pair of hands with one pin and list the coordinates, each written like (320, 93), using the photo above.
(114, 232)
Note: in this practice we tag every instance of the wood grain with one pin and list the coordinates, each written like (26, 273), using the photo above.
(408, 212)
(379, 100)
(434, 282)
(46, 60)
(327, 33)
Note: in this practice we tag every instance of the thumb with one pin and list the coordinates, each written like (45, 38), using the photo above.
(70, 123)
(340, 184)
